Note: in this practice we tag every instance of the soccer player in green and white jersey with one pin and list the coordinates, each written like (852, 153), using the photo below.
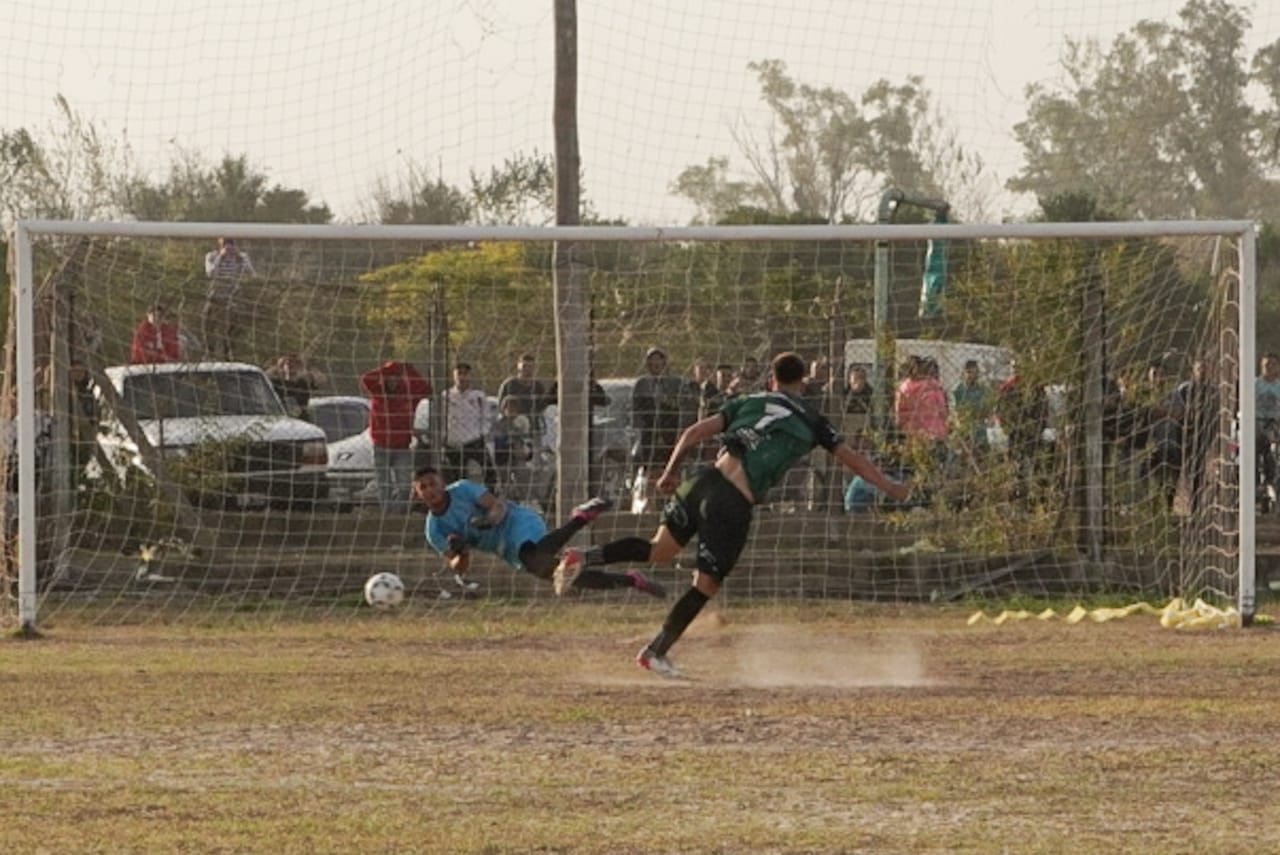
(762, 434)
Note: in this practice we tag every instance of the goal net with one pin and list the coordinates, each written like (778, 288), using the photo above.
(192, 414)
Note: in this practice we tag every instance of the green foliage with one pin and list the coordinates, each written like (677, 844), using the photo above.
(208, 471)
(483, 288)
(1161, 124)
(422, 203)
(1268, 315)
(1052, 277)
(232, 191)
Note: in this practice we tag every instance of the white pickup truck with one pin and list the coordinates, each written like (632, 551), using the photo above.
(187, 408)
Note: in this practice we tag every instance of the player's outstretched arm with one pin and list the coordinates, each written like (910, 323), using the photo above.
(859, 465)
(690, 438)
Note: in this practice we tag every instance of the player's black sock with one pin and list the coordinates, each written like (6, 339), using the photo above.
(678, 620)
(633, 549)
(553, 541)
(599, 580)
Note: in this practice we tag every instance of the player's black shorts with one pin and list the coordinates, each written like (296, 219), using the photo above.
(709, 506)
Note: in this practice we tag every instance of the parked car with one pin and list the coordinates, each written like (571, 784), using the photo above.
(345, 419)
(612, 441)
(339, 416)
(253, 450)
(345, 422)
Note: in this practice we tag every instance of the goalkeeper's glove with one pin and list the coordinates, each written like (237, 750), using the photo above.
(481, 521)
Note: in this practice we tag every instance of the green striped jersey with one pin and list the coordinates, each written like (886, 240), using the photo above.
(770, 432)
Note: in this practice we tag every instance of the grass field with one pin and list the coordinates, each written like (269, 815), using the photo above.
(500, 729)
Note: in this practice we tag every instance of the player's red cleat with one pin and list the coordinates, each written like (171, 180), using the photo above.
(645, 585)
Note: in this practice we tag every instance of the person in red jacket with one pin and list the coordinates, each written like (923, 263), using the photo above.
(155, 338)
(394, 390)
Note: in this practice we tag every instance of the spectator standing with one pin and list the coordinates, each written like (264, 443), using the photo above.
(920, 406)
(512, 435)
(394, 389)
(655, 413)
(1194, 408)
(1267, 396)
(818, 380)
(1023, 410)
(294, 382)
(530, 394)
(705, 389)
(858, 392)
(226, 268)
(156, 338)
(466, 428)
(972, 402)
(749, 378)
(723, 379)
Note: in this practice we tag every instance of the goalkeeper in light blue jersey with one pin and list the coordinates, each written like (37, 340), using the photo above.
(464, 515)
(762, 436)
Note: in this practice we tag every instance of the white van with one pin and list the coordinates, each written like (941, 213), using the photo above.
(994, 362)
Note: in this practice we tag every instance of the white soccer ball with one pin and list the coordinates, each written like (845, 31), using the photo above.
(384, 591)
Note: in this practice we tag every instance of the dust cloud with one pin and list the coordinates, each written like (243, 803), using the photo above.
(785, 656)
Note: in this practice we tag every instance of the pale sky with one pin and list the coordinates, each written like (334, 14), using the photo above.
(331, 95)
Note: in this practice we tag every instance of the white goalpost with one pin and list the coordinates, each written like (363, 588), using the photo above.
(1106, 442)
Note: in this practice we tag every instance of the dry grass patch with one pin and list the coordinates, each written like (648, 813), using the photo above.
(489, 730)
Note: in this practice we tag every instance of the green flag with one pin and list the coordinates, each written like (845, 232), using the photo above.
(934, 282)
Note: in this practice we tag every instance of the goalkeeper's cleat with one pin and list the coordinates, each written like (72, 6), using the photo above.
(567, 571)
(645, 585)
(589, 510)
(657, 663)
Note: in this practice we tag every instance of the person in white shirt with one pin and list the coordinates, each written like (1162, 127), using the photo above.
(466, 428)
(226, 267)
(1266, 392)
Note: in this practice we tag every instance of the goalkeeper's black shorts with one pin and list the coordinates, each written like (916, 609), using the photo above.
(710, 506)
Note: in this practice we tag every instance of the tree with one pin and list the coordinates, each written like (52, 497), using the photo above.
(709, 188)
(828, 156)
(233, 191)
(519, 193)
(414, 198)
(1161, 124)
(73, 170)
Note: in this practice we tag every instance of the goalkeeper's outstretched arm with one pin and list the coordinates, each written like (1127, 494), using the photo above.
(457, 555)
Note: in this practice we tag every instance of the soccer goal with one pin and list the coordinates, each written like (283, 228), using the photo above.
(1072, 401)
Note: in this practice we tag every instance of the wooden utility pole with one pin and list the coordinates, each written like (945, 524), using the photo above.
(571, 299)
